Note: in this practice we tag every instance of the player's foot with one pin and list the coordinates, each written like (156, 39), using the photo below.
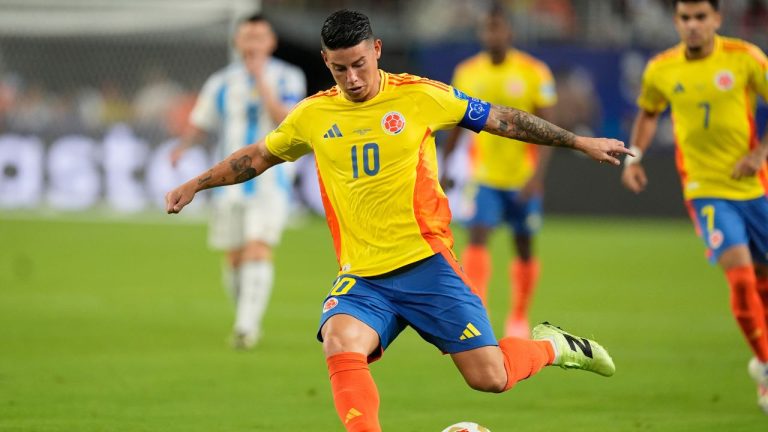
(244, 341)
(759, 372)
(574, 352)
(517, 327)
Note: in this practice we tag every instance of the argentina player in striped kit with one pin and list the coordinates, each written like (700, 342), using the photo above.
(242, 102)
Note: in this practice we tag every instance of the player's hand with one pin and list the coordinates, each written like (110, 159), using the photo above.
(602, 149)
(749, 165)
(178, 198)
(633, 177)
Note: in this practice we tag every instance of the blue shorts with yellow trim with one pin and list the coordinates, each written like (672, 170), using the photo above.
(725, 223)
(430, 296)
(492, 206)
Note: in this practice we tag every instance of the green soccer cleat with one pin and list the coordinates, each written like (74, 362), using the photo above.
(573, 352)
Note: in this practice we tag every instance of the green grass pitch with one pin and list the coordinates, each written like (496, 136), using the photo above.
(111, 327)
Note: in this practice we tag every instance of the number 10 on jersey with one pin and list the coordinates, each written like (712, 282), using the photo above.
(368, 157)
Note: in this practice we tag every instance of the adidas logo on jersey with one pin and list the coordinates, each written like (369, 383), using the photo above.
(469, 332)
(333, 132)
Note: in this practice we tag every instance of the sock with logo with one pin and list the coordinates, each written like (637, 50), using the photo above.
(748, 309)
(524, 275)
(477, 266)
(524, 358)
(354, 392)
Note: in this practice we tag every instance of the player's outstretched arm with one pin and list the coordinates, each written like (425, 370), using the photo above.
(240, 166)
(520, 125)
(643, 129)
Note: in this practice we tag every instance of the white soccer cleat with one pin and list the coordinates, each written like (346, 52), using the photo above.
(574, 352)
(759, 372)
(244, 341)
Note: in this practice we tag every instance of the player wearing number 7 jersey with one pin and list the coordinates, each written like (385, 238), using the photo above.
(710, 83)
(373, 136)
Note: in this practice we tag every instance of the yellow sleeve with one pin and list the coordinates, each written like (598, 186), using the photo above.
(758, 71)
(445, 107)
(546, 96)
(287, 141)
(650, 98)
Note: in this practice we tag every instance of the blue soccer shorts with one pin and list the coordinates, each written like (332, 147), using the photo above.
(725, 223)
(432, 297)
(492, 206)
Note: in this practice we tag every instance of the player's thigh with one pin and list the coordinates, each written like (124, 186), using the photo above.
(488, 207)
(225, 227)
(756, 215)
(435, 299)
(720, 224)
(363, 300)
(523, 216)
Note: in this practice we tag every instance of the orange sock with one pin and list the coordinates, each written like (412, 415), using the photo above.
(354, 392)
(762, 290)
(477, 265)
(523, 358)
(748, 309)
(524, 276)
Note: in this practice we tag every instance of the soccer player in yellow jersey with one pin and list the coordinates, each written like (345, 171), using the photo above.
(508, 177)
(710, 83)
(373, 139)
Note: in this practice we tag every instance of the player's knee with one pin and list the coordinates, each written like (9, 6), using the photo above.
(339, 335)
(490, 380)
(256, 251)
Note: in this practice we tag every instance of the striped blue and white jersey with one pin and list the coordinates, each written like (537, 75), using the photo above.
(230, 104)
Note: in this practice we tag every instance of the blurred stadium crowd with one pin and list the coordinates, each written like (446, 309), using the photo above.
(141, 64)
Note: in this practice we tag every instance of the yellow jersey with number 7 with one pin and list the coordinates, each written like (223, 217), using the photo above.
(377, 166)
(712, 102)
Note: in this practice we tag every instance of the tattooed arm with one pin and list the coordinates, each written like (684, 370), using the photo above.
(240, 166)
(520, 125)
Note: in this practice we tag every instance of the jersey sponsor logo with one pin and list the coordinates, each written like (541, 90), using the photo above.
(330, 304)
(715, 239)
(333, 132)
(724, 80)
(393, 123)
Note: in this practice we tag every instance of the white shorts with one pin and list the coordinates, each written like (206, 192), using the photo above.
(235, 222)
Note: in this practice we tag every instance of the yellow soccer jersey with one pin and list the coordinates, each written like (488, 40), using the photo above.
(713, 104)
(521, 82)
(377, 166)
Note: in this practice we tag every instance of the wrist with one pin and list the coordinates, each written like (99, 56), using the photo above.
(629, 160)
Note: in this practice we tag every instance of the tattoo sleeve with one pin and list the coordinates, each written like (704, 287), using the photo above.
(241, 166)
(520, 125)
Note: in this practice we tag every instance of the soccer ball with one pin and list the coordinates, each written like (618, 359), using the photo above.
(466, 427)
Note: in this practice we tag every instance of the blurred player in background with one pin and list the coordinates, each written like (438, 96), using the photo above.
(373, 139)
(243, 102)
(508, 177)
(710, 82)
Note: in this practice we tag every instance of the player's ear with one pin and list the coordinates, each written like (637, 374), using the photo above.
(718, 20)
(377, 48)
(324, 56)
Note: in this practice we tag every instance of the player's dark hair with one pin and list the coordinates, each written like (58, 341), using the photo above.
(497, 9)
(344, 29)
(715, 3)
